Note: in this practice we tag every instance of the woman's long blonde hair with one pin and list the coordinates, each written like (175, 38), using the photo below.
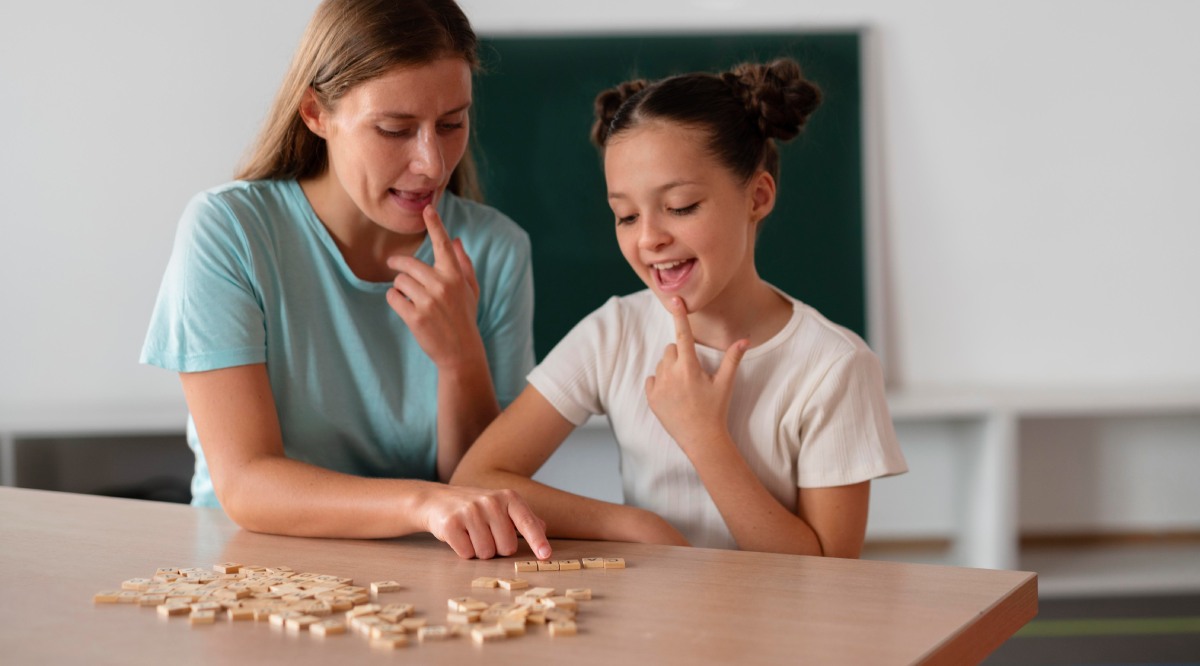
(348, 42)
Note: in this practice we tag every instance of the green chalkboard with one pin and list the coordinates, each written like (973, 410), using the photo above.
(533, 112)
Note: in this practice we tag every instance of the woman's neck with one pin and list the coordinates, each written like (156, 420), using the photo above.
(364, 245)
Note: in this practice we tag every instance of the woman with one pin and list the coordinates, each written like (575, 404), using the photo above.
(337, 350)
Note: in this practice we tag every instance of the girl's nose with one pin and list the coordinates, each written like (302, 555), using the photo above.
(653, 236)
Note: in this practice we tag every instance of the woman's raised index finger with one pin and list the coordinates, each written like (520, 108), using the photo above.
(438, 238)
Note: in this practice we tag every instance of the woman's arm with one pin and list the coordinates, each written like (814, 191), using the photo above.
(517, 444)
(263, 490)
(439, 303)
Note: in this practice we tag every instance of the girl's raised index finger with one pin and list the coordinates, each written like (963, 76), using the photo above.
(683, 328)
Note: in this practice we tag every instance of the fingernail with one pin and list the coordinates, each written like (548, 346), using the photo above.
(543, 552)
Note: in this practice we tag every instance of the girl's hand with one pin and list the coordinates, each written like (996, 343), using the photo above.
(438, 302)
(483, 523)
(690, 403)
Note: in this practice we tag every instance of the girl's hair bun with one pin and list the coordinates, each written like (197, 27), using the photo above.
(776, 95)
(608, 103)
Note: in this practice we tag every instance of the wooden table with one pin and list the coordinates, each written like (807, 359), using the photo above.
(670, 605)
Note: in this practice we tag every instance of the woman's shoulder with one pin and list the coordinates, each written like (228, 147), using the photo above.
(250, 195)
(477, 222)
(246, 202)
(245, 208)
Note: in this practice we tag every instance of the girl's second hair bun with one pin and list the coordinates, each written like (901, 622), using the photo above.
(776, 94)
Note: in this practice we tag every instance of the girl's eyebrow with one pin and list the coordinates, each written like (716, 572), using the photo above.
(397, 115)
(662, 188)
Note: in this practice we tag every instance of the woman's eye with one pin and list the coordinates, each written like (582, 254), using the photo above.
(686, 210)
(627, 219)
(450, 127)
(392, 133)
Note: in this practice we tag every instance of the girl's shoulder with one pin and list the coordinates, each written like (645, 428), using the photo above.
(813, 330)
(631, 314)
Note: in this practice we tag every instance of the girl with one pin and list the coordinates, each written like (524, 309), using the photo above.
(315, 408)
(769, 445)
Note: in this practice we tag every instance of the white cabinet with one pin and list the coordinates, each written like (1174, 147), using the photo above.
(967, 485)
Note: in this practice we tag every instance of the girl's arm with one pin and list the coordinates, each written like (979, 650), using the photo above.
(518, 443)
(827, 521)
(263, 490)
(694, 406)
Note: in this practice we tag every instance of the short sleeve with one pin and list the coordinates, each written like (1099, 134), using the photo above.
(209, 313)
(572, 373)
(506, 320)
(846, 431)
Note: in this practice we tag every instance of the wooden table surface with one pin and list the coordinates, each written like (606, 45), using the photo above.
(670, 605)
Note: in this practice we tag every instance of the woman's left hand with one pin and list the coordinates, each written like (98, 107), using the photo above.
(690, 403)
(438, 302)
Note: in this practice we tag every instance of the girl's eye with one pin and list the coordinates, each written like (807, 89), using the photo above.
(393, 133)
(451, 127)
(628, 219)
(686, 210)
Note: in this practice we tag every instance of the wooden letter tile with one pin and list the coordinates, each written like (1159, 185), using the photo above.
(385, 586)
(513, 583)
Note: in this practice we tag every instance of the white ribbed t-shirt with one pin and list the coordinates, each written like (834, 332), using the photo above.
(808, 408)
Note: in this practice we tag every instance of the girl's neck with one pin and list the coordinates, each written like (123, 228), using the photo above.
(756, 312)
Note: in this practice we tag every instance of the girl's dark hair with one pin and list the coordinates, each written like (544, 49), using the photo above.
(349, 42)
(743, 110)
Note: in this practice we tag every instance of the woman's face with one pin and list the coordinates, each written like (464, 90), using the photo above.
(684, 222)
(394, 141)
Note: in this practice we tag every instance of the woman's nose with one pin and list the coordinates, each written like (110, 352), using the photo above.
(427, 158)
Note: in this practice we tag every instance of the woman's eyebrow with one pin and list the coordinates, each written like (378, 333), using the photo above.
(398, 115)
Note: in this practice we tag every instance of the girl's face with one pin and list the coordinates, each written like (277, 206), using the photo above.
(394, 141)
(684, 222)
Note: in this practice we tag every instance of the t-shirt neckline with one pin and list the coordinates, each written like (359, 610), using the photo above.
(771, 343)
(326, 239)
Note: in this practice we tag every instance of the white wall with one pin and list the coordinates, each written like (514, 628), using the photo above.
(1038, 158)
(112, 115)
(1037, 161)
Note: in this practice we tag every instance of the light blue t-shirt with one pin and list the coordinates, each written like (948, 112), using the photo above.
(255, 277)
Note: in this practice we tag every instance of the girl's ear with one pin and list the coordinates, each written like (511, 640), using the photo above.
(762, 196)
(313, 113)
